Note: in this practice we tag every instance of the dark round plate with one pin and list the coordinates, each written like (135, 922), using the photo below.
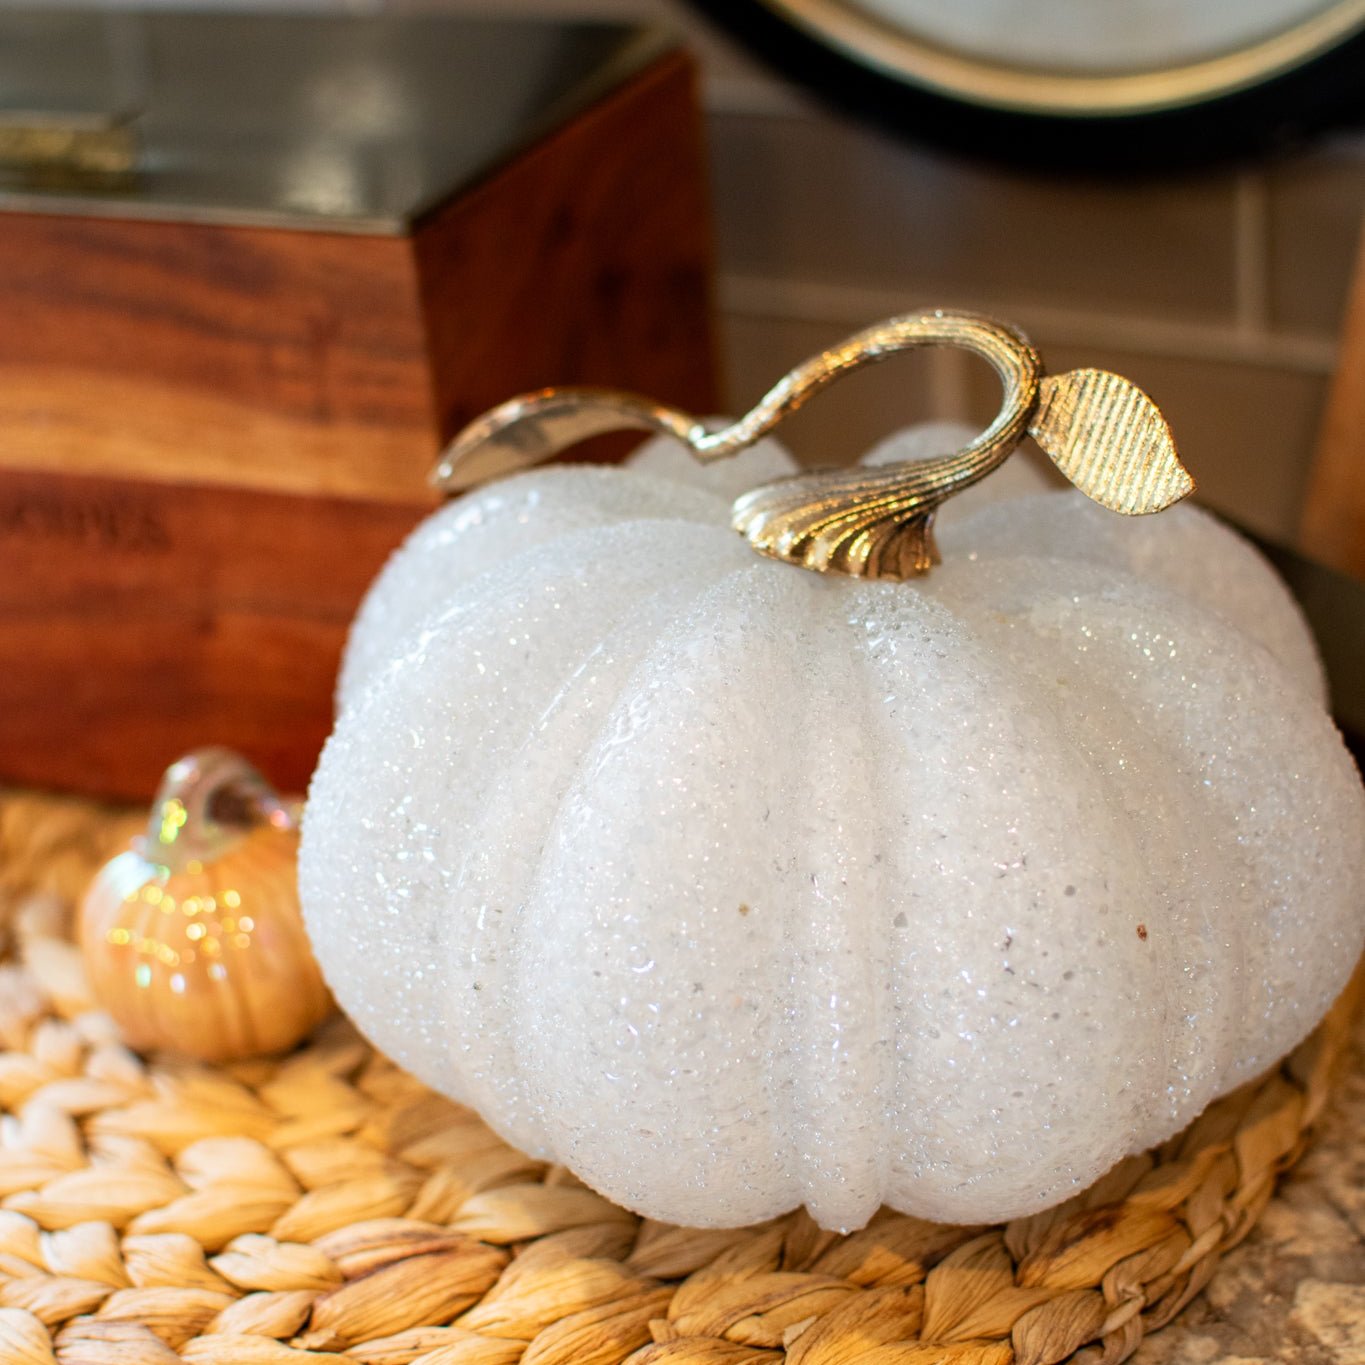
(1273, 91)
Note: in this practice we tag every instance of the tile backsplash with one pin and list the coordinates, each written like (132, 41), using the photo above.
(1222, 295)
(1222, 292)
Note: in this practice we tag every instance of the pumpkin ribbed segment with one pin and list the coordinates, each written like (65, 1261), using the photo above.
(735, 888)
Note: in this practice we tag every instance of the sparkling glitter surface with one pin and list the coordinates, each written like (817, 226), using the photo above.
(735, 887)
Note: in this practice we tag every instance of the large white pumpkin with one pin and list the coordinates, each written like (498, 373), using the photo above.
(736, 887)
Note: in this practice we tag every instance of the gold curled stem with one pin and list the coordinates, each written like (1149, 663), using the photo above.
(534, 427)
(878, 523)
(1101, 431)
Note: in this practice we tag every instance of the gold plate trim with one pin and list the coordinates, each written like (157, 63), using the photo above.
(877, 44)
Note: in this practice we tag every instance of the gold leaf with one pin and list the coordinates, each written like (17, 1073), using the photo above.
(872, 523)
(1110, 440)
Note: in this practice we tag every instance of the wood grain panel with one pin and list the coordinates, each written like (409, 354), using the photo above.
(211, 437)
(204, 353)
(587, 260)
(138, 620)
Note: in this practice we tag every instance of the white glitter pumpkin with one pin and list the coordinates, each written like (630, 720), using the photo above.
(736, 887)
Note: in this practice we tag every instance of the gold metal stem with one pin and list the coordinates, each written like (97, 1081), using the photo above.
(1102, 432)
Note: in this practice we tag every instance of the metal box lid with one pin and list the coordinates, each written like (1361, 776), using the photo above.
(336, 122)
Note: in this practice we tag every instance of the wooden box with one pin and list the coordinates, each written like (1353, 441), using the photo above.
(220, 399)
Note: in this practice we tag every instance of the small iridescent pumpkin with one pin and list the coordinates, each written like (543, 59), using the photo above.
(192, 938)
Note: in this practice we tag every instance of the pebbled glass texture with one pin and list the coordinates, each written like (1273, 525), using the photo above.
(735, 887)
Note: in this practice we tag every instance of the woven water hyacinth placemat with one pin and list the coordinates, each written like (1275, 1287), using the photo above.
(323, 1206)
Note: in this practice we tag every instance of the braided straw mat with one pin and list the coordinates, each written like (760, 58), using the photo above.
(323, 1206)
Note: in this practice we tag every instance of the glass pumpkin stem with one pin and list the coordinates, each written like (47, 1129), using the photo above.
(207, 801)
